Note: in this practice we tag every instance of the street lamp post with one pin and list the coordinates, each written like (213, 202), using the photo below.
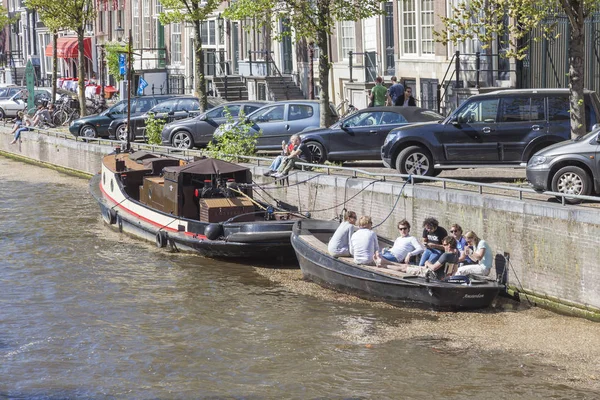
(120, 32)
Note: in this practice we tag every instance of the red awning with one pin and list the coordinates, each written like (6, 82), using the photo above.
(66, 47)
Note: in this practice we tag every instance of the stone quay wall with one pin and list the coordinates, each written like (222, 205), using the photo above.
(553, 249)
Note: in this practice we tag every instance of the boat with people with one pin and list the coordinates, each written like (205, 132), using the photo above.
(205, 206)
(310, 238)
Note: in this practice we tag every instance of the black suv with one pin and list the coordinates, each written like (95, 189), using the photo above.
(501, 128)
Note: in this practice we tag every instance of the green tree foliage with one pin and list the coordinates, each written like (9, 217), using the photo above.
(486, 21)
(193, 12)
(73, 15)
(237, 139)
(113, 49)
(313, 20)
(154, 128)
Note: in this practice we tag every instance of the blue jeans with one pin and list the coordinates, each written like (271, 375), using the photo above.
(430, 255)
(276, 163)
(18, 132)
(385, 253)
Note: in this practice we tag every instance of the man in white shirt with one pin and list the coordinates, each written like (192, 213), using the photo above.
(364, 244)
(405, 246)
(339, 244)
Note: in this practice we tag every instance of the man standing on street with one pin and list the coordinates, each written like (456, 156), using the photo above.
(395, 92)
(378, 93)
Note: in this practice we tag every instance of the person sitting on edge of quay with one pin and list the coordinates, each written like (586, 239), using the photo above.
(461, 244)
(405, 246)
(300, 153)
(17, 126)
(363, 243)
(433, 234)
(339, 244)
(450, 256)
(394, 93)
(286, 149)
(378, 93)
(480, 252)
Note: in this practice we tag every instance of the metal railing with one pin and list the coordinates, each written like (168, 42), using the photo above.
(328, 169)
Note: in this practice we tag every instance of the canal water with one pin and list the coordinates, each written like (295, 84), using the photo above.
(87, 312)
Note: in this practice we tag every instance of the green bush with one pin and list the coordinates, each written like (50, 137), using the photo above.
(237, 139)
(154, 128)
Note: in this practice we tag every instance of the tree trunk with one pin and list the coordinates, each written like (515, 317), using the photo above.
(54, 64)
(81, 74)
(326, 118)
(575, 13)
(200, 81)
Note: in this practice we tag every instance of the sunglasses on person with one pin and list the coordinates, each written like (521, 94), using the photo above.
(403, 228)
(454, 230)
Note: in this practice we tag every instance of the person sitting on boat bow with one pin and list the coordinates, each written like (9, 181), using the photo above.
(364, 243)
(300, 153)
(405, 246)
(450, 256)
(480, 252)
(339, 244)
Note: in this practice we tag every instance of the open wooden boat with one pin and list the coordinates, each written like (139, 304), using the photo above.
(205, 206)
(310, 238)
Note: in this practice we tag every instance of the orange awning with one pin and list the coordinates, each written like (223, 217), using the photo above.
(66, 47)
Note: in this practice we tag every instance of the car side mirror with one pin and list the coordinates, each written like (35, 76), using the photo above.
(595, 126)
(203, 117)
(455, 120)
(171, 112)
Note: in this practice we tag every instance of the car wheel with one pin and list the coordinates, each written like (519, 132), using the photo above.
(317, 151)
(182, 140)
(415, 160)
(2, 114)
(88, 131)
(572, 180)
(121, 132)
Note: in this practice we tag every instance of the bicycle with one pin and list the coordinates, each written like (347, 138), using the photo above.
(345, 109)
(64, 112)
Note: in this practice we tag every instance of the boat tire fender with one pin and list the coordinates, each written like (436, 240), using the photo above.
(213, 231)
(161, 239)
(109, 216)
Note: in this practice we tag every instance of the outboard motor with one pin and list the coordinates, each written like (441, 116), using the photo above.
(208, 189)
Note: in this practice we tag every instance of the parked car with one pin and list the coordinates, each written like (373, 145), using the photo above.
(278, 121)
(97, 125)
(9, 91)
(569, 167)
(361, 135)
(18, 102)
(502, 128)
(170, 110)
(198, 131)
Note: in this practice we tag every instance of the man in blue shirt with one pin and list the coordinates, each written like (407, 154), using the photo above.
(395, 92)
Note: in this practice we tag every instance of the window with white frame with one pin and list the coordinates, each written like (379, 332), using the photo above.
(176, 43)
(347, 36)
(136, 23)
(147, 17)
(416, 27)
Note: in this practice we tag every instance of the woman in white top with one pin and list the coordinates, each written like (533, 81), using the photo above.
(478, 251)
(339, 244)
(363, 243)
(404, 247)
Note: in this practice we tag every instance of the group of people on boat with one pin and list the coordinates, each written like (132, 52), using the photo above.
(464, 253)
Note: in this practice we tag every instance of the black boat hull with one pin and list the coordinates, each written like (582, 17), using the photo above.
(343, 276)
(267, 242)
